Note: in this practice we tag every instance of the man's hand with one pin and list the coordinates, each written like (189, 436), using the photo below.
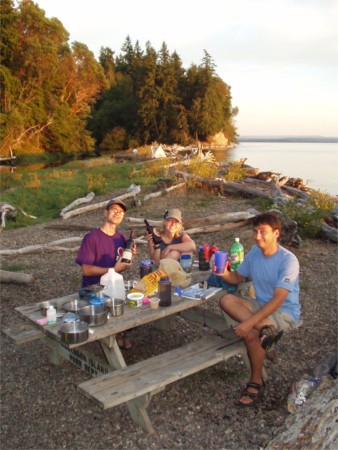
(244, 328)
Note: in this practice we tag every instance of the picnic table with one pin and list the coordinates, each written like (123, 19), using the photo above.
(112, 382)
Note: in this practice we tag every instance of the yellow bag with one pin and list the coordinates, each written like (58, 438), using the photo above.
(149, 283)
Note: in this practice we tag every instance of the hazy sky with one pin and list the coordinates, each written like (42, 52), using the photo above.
(280, 57)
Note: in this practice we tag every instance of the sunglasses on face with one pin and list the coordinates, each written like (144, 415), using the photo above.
(117, 211)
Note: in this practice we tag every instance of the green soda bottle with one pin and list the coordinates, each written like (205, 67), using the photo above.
(236, 254)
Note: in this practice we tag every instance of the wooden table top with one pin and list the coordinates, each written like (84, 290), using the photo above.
(132, 316)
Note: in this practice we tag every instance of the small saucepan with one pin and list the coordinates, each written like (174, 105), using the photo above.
(115, 306)
(94, 315)
(74, 332)
(74, 305)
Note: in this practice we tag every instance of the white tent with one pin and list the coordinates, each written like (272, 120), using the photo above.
(157, 152)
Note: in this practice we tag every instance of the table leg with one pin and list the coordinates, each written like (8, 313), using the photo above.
(55, 358)
(112, 352)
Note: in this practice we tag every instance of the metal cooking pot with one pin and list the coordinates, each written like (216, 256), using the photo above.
(94, 315)
(74, 305)
(74, 332)
(115, 306)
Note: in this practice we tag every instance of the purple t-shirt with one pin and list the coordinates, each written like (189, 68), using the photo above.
(99, 249)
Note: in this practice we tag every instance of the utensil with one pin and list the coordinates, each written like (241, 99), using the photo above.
(74, 305)
(115, 306)
(94, 315)
(74, 332)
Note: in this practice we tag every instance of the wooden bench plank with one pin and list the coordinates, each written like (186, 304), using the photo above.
(155, 373)
(21, 333)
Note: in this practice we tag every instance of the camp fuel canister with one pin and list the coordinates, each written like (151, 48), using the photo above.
(203, 263)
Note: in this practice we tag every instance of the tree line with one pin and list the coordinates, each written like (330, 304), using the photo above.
(56, 97)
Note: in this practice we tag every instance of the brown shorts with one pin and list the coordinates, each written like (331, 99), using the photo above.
(281, 319)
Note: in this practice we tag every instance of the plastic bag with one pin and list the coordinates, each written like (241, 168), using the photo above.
(175, 272)
(300, 392)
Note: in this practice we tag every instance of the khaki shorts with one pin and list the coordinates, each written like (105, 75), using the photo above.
(280, 319)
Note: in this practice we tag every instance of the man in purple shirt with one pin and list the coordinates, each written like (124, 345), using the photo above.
(102, 248)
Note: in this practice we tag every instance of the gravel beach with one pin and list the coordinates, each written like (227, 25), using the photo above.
(40, 406)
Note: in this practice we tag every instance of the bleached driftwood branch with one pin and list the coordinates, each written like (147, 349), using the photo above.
(221, 218)
(88, 198)
(157, 194)
(224, 185)
(217, 227)
(328, 232)
(16, 277)
(76, 212)
(54, 245)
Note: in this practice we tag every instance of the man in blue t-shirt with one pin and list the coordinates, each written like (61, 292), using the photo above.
(261, 322)
(102, 248)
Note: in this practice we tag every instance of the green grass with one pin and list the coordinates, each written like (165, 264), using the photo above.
(44, 193)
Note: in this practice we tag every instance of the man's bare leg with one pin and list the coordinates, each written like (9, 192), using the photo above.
(240, 309)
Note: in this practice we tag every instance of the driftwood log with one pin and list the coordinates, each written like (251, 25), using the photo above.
(7, 210)
(313, 426)
(88, 198)
(223, 185)
(76, 212)
(328, 232)
(16, 277)
(164, 191)
(53, 246)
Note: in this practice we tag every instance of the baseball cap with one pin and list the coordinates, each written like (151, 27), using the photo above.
(116, 202)
(173, 214)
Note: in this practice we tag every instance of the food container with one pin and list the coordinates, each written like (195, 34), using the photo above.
(74, 332)
(154, 302)
(74, 305)
(93, 315)
(135, 298)
(45, 305)
(115, 306)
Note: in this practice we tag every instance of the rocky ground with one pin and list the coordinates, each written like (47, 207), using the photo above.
(40, 407)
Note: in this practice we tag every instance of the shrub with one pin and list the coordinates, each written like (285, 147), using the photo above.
(203, 169)
(235, 172)
(309, 216)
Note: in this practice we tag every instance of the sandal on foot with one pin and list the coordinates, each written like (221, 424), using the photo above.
(255, 397)
(269, 336)
(123, 342)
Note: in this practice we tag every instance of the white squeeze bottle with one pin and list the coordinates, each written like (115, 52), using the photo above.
(236, 254)
(51, 315)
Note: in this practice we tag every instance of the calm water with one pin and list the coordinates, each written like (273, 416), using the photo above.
(315, 163)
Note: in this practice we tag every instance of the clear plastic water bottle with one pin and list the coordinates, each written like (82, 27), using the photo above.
(236, 254)
(51, 315)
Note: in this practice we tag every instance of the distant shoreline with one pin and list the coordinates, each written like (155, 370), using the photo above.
(298, 139)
